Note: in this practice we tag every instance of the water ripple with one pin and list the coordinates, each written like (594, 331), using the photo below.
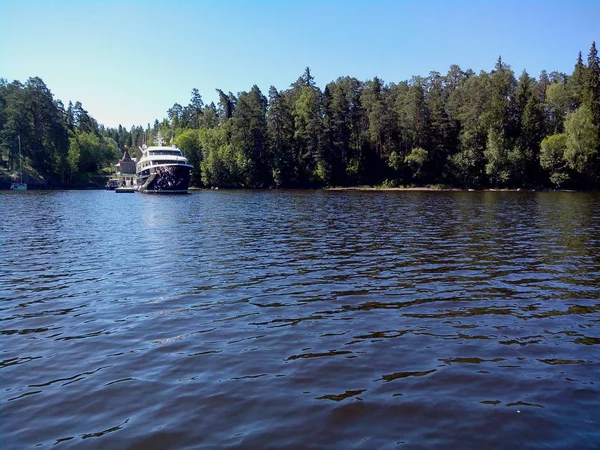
(300, 319)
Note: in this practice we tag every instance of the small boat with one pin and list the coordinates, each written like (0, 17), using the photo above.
(112, 184)
(162, 170)
(20, 186)
(125, 190)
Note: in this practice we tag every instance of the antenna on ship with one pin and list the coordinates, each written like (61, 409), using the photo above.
(159, 140)
(143, 146)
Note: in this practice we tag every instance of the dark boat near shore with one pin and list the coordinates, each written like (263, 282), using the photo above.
(112, 184)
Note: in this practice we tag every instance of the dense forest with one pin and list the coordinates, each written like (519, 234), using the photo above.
(460, 129)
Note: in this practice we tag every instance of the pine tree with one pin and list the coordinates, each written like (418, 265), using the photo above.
(175, 115)
(591, 96)
(307, 126)
(576, 83)
(249, 137)
(195, 108)
(281, 131)
(226, 105)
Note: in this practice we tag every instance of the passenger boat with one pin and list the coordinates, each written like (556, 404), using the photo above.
(162, 169)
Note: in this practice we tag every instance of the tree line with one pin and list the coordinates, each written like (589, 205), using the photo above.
(460, 129)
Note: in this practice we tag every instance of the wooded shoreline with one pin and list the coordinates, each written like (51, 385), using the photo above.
(463, 130)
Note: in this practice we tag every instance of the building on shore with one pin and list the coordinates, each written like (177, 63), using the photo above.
(126, 170)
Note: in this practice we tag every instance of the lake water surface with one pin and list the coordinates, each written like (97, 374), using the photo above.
(254, 319)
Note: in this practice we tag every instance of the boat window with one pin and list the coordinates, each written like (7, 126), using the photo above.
(166, 152)
(157, 163)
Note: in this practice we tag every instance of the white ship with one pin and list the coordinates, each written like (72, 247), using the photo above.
(162, 169)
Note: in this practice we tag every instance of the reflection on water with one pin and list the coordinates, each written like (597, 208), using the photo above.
(300, 319)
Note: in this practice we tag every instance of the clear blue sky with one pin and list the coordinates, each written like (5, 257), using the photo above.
(129, 61)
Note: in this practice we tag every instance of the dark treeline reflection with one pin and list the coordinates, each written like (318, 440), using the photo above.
(463, 129)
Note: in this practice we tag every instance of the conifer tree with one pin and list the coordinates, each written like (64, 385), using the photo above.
(576, 83)
(280, 132)
(591, 95)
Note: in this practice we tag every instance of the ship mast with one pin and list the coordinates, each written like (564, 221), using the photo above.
(159, 140)
(20, 161)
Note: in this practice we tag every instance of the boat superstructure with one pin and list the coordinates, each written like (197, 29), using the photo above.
(162, 169)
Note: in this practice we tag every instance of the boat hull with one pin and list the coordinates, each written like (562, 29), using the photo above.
(18, 187)
(173, 179)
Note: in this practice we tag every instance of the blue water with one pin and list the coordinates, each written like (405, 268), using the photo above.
(292, 319)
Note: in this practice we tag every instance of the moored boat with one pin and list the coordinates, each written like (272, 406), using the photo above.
(162, 170)
(112, 184)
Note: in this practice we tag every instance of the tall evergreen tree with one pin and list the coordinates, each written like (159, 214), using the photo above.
(175, 115)
(442, 132)
(210, 116)
(591, 95)
(82, 120)
(305, 80)
(470, 104)
(528, 128)
(502, 124)
(249, 137)
(195, 109)
(307, 136)
(576, 83)
(541, 86)
(48, 138)
(280, 128)
(226, 105)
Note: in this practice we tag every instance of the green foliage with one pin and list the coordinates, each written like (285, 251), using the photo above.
(576, 83)
(194, 110)
(395, 161)
(524, 156)
(496, 153)
(416, 159)
(469, 105)
(250, 139)
(344, 132)
(460, 129)
(591, 95)
(175, 115)
(307, 124)
(388, 184)
(90, 151)
(189, 143)
(558, 103)
(280, 128)
(74, 155)
(467, 167)
(221, 165)
(552, 158)
(582, 140)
